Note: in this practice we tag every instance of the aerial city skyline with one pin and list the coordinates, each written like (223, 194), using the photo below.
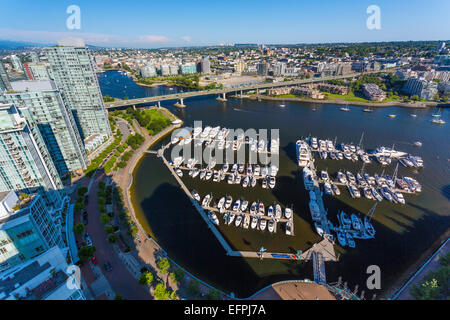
(249, 150)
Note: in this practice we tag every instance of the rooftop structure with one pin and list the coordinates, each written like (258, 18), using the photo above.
(373, 92)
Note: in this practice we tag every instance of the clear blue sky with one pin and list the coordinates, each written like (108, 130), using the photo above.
(152, 24)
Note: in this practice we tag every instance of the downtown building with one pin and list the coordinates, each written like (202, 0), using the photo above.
(421, 87)
(25, 163)
(55, 122)
(38, 71)
(5, 85)
(74, 74)
(28, 228)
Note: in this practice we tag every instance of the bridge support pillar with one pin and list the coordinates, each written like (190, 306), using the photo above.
(241, 94)
(223, 98)
(180, 103)
(159, 104)
(134, 107)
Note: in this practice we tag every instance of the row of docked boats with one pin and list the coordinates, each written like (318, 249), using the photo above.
(243, 214)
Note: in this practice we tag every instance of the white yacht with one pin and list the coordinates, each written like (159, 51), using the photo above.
(386, 193)
(261, 210)
(278, 212)
(228, 202)
(315, 210)
(341, 177)
(324, 176)
(271, 182)
(221, 204)
(203, 174)
(209, 175)
(389, 152)
(303, 157)
(288, 213)
(327, 187)
(335, 189)
(231, 217)
(314, 143)
(179, 173)
(246, 222)
(244, 205)
(246, 182)
(214, 218)
(195, 195)
(270, 212)
(308, 178)
(263, 224)
(253, 208)
(206, 200)
(254, 222)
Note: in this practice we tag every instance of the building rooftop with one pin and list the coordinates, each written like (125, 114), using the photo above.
(33, 86)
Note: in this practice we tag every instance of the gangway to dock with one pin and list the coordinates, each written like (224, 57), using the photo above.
(319, 268)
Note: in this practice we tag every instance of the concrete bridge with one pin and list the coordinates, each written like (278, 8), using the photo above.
(221, 93)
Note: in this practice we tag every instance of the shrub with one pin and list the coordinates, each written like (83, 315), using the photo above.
(104, 218)
(109, 229)
(79, 228)
(163, 265)
(86, 252)
(112, 238)
(160, 292)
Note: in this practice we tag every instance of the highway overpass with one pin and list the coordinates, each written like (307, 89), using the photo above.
(179, 97)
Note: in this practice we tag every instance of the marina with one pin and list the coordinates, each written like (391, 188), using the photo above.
(183, 233)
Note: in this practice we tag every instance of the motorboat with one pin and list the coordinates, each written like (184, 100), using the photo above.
(340, 155)
(264, 183)
(354, 157)
(253, 182)
(272, 182)
(228, 202)
(261, 210)
(241, 168)
(278, 211)
(327, 187)
(418, 162)
(347, 155)
(270, 211)
(341, 177)
(398, 197)
(288, 228)
(231, 179)
(345, 220)
(315, 210)
(354, 192)
(209, 175)
(244, 205)
(341, 238)
(246, 182)
(271, 226)
(389, 152)
(238, 220)
(202, 174)
(324, 176)
(225, 167)
(365, 158)
(335, 189)
(206, 200)
(179, 173)
(261, 145)
(237, 178)
(367, 193)
(257, 170)
(288, 213)
(376, 195)
(263, 224)
(254, 223)
(350, 241)
(195, 195)
(254, 208)
(303, 156)
(401, 183)
(249, 170)
(323, 155)
(213, 218)
(361, 182)
(221, 204)
(237, 205)
(314, 143)
(234, 168)
(345, 109)
(413, 184)
(195, 172)
(231, 217)
(246, 222)
(351, 177)
(386, 194)
(308, 178)
(356, 222)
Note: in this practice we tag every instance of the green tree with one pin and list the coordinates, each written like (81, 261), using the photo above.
(109, 229)
(163, 265)
(112, 238)
(86, 252)
(213, 294)
(104, 218)
(160, 292)
(79, 228)
(146, 278)
(194, 287)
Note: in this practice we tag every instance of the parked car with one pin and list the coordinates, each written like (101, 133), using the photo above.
(94, 260)
(88, 240)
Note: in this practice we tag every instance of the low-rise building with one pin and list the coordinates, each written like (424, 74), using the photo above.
(332, 88)
(373, 92)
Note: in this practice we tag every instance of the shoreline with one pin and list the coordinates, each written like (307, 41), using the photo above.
(419, 105)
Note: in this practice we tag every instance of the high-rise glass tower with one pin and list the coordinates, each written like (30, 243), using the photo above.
(74, 74)
(54, 120)
(25, 163)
